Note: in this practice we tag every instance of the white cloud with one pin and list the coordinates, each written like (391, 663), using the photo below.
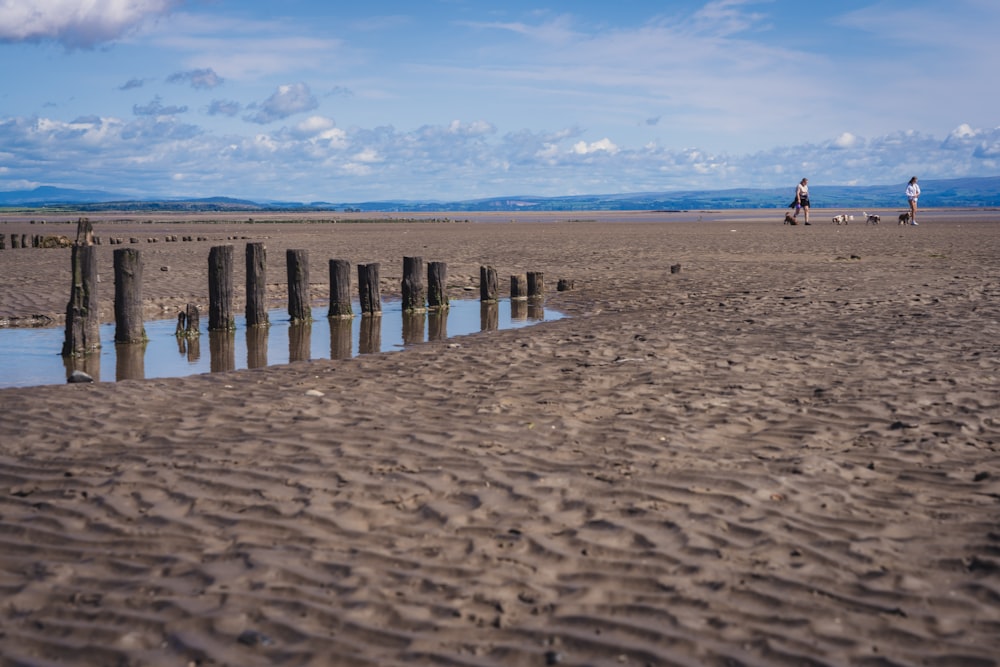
(288, 100)
(73, 23)
(603, 146)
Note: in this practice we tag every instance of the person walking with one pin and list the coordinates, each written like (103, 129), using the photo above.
(912, 193)
(802, 199)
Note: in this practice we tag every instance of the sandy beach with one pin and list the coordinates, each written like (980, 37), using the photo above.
(787, 453)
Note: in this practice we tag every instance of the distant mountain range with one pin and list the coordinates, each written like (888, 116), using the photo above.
(955, 193)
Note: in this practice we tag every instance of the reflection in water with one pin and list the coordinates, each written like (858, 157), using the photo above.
(130, 361)
(257, 346)
(222, 350)
(30, 358)
(489, 316)
(413, 327)
(437, 325)
(85, 363)
(536, 310)
(340, 337)
(299, 339)
(370, 340)
(189, 347)
(518, 310)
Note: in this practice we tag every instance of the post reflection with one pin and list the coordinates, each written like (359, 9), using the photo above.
(130, 361)
(299, 340)
(437, 325)
(536, 310)
(257, 346)
(222, 350)
(370, 339)
(489, 316)
(340, 337)
(86, 363)
(413, 328)
(518, 310)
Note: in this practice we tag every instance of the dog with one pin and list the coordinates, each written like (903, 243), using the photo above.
(789, 220)
(871, 219)
(904, 218)
(840, 219)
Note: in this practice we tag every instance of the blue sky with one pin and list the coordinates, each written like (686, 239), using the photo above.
(309, 100)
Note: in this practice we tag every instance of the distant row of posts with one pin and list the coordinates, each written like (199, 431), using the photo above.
(82, 323)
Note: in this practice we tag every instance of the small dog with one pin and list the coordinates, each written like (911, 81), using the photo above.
(904, 218)
(871, 219)
(789, 220)
(840, 219)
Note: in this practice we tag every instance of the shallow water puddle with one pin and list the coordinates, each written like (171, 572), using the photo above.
(32, 355)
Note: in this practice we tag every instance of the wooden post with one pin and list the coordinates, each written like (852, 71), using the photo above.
(299, 309)
(128, 296)
(3, 241)
(487, 284)
(437, 286)
(220, 289)
(15, 241)
(340, 290)
(83, 326)
(518, 288)
(414, 295)
(256, 263)
(536, 285)
(193, 319)
(368, 289)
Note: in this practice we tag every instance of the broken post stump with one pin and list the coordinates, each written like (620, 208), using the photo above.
(368, 289)
(299, 309)
(437, 286)
(536, 285)
(220, 289)
(487, 284)
(412, 287)
(518, 288)
(340, 289)
(128, 296)
(256, 283)
(83, 326)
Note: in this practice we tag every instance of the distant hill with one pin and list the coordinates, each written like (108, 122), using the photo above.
(957, 193)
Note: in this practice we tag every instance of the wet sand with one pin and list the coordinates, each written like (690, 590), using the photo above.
(784, 454)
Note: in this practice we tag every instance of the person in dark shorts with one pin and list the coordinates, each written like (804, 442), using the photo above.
(801, 202)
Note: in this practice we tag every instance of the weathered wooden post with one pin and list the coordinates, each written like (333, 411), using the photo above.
(256, 280)
(437, 286)
(518, 288)
(193, 321)
(83, 326)
(3, 241)
(536, 285)
(368, 289)
(340, 290)
(128, 296)
(220, 289)
(299, 309)
(487, 284)
(412, 288)
(15, 241)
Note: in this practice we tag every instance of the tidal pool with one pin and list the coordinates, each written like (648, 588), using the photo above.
(32, 355)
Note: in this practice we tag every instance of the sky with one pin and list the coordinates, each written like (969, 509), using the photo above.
(311, 100)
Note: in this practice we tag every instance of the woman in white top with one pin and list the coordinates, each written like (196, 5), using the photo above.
(912, 192)
(802, 199)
